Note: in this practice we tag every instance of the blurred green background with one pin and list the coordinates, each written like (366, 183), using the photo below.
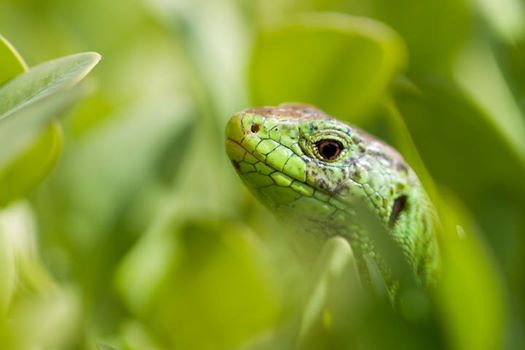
(123, 226)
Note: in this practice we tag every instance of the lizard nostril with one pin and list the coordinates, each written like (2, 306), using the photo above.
(255, 128)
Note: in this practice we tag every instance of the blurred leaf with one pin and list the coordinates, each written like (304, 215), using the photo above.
(465, 266)
(20, 267)
(340, 63)
(475, 319)
(23, 127)
(391, 275)
(28, 104)
(22, 174)
(147, 263)
(198, 31)
(18, 225)
(48, 321)
(451, 132)
(11, 63)
(342, 314)
(481, 79)
(39, 158)
(335, 259)
(40, 315)
(215, 284)
(136, 337)
(119, 158)
(44, 80)
(433, 30)
(510, 59)
(507, 17)
(402, 139)
(7, 270)
(157, 173)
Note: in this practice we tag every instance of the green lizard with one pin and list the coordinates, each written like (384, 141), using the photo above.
(312, 171)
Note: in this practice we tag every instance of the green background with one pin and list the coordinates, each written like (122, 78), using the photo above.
(123, 224)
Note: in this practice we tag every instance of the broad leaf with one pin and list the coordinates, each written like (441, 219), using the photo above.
(22, 174)
(335, 262)
(475, 319)
(210, 280)
(339, 63)
(11, 63)
(20, 134)
(30, 140)
(44, 80)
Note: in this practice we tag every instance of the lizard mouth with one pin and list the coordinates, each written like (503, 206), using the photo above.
(249, 147)
(259, 173)
(248, 161)
(271, 183)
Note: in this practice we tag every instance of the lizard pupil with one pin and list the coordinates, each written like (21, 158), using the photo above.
(329, 149)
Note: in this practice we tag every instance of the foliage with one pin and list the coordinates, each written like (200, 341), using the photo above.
(123, 225)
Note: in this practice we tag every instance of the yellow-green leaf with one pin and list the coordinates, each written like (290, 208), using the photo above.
(11, 63)
(340, 63)
(32, 165)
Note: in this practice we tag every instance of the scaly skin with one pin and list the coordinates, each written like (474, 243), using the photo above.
(279, 153)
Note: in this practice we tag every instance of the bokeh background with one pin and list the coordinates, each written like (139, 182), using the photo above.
(137, 234)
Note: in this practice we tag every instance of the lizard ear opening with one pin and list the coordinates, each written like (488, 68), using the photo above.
(397, 208)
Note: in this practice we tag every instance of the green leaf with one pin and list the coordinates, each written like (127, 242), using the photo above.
(507, 17)
(433, 30)
(340, 63)
(482, 81)
(32, 165)
(44, 80)
(30, 141)
(474, 320)
(20, 134)
(19, 262)
(11, 63)
(213, 282)
(153, 133)
(7, 271)
(452, 132)
(335, 261)
(48, 321)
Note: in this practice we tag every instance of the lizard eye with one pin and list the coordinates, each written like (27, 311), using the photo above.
(329, 149)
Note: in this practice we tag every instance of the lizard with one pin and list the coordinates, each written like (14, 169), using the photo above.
(314, 171)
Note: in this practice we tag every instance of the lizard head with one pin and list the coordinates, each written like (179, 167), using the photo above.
(303, 163)
(317, 173)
